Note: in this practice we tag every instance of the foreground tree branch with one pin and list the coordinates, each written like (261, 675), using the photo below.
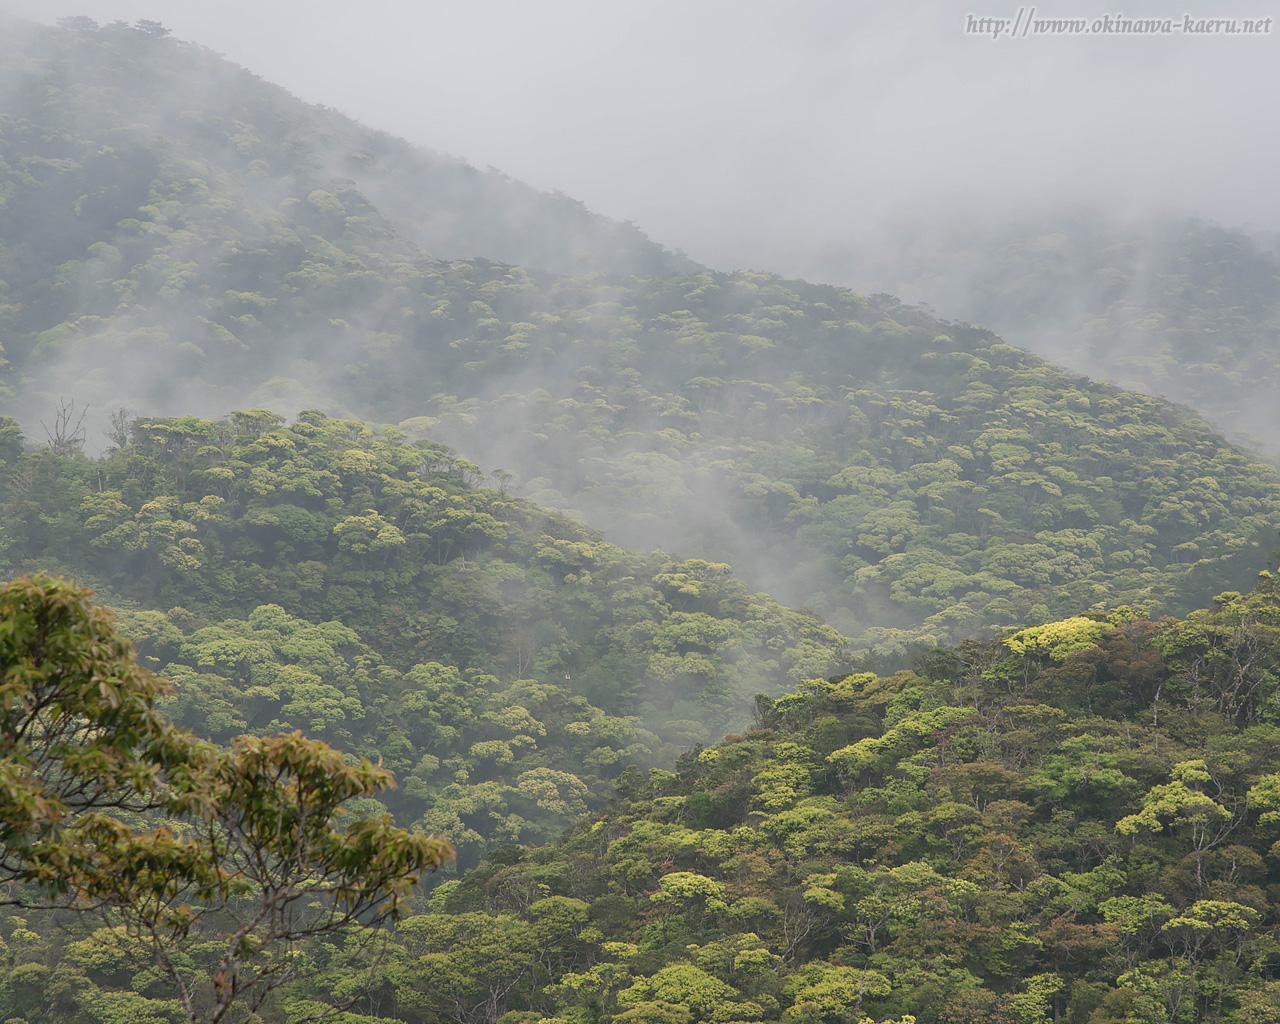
(79, 731)
(251, 859)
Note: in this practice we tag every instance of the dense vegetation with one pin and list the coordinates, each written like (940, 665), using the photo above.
(1072, 817)
(108, 809)
(108, 94)
(505, 662)
(911, 480)
(1169, 306)
(1077, 821)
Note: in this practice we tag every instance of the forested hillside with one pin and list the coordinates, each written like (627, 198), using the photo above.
(94, 118)
(1075, 822)
(915, 482)
(505, 662)
(911, 480)
(515, 507)
(1169, 306)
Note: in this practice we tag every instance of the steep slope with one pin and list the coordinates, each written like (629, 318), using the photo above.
(505, 662)
(1075, 822)
(913, 481)
(1174, 307)
(88, 110)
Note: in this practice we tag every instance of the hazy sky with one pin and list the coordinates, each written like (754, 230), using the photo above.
(753, 134)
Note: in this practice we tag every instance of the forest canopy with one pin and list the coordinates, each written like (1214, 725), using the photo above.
(913, 481)
(761, 650)
(244, 854)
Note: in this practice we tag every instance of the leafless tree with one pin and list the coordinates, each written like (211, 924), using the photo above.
(68, 434)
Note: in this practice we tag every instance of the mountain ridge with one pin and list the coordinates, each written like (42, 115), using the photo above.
(912, 480)
(1033, 794)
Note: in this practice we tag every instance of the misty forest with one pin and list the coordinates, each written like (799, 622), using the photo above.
(427, 601)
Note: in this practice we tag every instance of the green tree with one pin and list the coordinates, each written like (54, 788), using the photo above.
(1181, 805)
(79, 731)
(251, 861)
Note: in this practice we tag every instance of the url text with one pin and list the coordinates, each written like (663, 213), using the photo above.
(1027, 24)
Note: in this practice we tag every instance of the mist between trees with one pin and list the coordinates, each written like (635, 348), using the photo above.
(979, 771)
